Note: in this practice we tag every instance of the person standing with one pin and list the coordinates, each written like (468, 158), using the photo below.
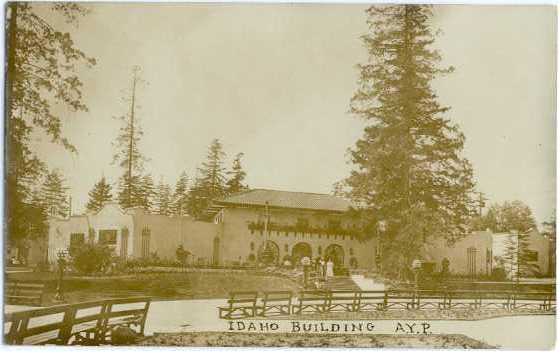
(329, 268)
(322, 268)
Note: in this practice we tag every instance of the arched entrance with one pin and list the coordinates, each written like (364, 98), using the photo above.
(336, 253)
(268, 253)
(216, 254)
(299, 251)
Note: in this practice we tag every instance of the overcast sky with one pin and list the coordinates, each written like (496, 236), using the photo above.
(274, 82)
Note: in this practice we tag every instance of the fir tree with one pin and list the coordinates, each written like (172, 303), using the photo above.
(518, 257)
(235, 183)
(162, 201)
(147, 193)
(123, 196)
(180, 196)
(99, 195)
(409, 170)
(210, 183)
(127, 155)
(54, 195)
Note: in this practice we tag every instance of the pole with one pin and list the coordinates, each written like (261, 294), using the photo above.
(131, 147)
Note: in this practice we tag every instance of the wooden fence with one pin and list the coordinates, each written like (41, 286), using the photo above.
(313, 301)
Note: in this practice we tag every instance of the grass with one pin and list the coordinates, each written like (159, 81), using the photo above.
(158, 285)
(220, 339)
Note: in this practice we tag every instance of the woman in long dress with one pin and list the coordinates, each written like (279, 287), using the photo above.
(329, 268)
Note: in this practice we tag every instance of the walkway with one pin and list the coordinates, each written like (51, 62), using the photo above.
(201, 315)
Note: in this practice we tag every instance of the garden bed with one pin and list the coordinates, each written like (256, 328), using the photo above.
(221, 339)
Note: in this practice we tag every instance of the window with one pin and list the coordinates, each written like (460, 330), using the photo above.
(252, 246)
(286, 247)
(145, 238)
(351, 251)
(107, 237)
(319, 250)
(76, 239)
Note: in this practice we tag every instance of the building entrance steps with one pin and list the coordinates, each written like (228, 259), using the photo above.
(340, 283)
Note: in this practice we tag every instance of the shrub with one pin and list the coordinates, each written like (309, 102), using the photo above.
(91, 258)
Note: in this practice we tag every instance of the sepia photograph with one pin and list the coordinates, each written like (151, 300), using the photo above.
(280, 175)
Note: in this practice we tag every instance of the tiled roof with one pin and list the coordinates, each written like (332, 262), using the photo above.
(287, 199)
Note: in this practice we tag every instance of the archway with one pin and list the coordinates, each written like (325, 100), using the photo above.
(299, 251)
(268, 253)
(336, 253)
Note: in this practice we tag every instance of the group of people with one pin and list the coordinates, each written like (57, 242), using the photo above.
(323, 269)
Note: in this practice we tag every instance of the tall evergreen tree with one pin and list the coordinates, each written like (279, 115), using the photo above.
(40, 71)
(99, 195)
(127, 155)
(54, 194)
(210, 183)
(163, 202)
(180, 196)
(237, 175)
(518, 257)
(147, 193)
(409, 170)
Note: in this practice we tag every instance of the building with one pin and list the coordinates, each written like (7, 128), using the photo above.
(541, 250)
(290, 225)
(257, 223)
(470, 256)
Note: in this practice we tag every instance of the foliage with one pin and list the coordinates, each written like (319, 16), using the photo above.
(127, 155)
(162, 202)
(235, 183)
(518, 257)
(209, 185)
(506, 217)
(180, 197)
(54, 194)
(99, 195)
(89, 258)
(41, 64)
(182, 255)
(147, 193)
(409, 170)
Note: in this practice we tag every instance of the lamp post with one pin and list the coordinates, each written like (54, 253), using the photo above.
(62, 254)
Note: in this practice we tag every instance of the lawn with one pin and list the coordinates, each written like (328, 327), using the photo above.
(220, 339)
(158, 285)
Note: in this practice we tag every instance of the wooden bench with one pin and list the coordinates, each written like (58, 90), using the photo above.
(371, 300)
(88, 323)
(343, 301)
(312, 301)
(275, 303)
(24, 293)
(241, 304)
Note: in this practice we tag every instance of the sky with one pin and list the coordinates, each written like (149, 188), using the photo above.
(275, 81)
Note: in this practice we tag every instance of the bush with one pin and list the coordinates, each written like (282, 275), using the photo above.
(499, 274)
(91, 258)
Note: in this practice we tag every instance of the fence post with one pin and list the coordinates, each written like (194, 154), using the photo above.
(67, 325)
(385, 299)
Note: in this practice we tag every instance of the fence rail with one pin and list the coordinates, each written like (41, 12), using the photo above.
(313, 301)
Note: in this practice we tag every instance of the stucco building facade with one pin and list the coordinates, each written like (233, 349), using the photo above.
(277, 224)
